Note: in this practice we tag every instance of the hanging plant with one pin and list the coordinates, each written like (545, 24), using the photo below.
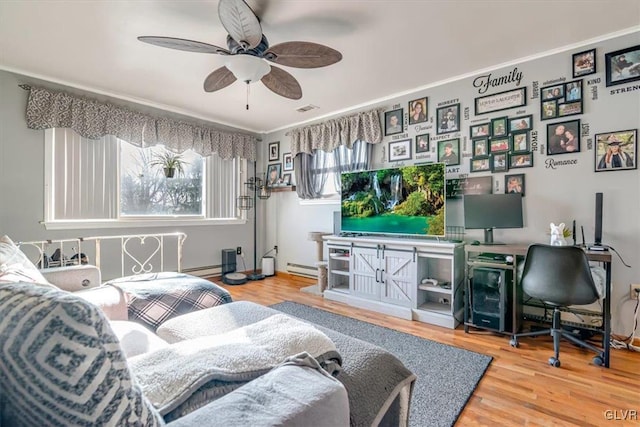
(170, 163)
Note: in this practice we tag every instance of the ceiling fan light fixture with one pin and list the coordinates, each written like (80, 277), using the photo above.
(247, 68)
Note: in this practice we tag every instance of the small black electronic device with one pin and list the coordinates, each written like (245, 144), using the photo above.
(491, 298)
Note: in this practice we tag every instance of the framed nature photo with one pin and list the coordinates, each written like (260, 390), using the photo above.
(393, 122)
(616, 150)
(449, 152)
(563, 137)
(499, 162)
(480, 165)
(499, 145)
(400, 150)
(418, 111)
(480, 130)
(448, 119)
(622, 66)
(480, 147)
(521, 123)
(524, 160)
(273, 174)
(520, 142)
(274, 151)
(499, 126)
(422, 143)
(584, 63)
(514, 183)
(287, 161)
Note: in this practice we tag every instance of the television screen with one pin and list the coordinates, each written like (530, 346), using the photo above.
(406, 200)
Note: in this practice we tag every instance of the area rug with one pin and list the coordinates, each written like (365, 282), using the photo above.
(446, 375)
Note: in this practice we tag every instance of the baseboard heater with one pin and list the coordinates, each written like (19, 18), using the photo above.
(302, 270)
(206, 271)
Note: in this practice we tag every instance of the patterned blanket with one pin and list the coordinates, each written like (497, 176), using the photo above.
(154, 298)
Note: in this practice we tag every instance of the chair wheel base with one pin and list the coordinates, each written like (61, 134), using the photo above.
(598, 361)
(514, 343)
(554, 362)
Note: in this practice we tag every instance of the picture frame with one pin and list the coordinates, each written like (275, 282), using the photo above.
(422, 143)
(520, 160)
(563, 137)
(521, 123)
(393, 123)
(449, 151)
(448, 119)
(286, 179)
(499, 145)
(626, 151)
(584, 63)
(287, 162)
(480, 147)
(520, 142)
(500, 162)
(501, 101)
(418, 111)
(274, 171)
(400, 150)
(548, 109)
(274, 151)
(457, 187)
(514, 184)
(477, 131)
(499, 126)
(555, 91)
(480, 165)
(622, 66)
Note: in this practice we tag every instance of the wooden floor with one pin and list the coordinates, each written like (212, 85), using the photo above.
(519, 388)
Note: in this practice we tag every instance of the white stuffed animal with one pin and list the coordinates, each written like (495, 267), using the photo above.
(557, 235)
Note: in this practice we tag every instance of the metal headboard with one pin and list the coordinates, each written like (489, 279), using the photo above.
(141, 253)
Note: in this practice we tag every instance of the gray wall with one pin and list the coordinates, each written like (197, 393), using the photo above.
(563, 194)
(22, 190)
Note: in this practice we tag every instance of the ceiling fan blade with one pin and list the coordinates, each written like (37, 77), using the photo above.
(282, 83)
(240, 22)
(302, 55)
(183, 44)
(219, 79)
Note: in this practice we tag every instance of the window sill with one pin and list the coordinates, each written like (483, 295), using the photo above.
(327, 201)
(137, 223)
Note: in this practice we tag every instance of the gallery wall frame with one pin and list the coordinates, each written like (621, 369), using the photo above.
(418, 110)
(520, 160)
(422, 143)
(514, 183)
(584, 63)
(520, 142)
(626, 152)
(480, 130)
(622, 66)
(521, 123)
(501, 101)
(274, 151)
(563, 137)
(287, 162)
(480, 165)
(480, 147)
(499, 126)
(561, 100)
(400, 150)
(393, 123)
(274, 171)
(449, 151)
(500, 162)
(448, 119)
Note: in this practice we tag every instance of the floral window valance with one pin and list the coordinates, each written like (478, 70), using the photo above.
(327, 136)
(95, 119)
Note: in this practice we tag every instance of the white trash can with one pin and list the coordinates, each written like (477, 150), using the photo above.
(268, 266)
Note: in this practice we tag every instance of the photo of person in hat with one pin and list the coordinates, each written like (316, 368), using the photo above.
(615, 157)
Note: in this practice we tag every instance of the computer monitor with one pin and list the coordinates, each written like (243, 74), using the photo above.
(489, 211)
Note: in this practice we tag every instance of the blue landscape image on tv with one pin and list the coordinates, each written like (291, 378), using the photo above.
(406, 200)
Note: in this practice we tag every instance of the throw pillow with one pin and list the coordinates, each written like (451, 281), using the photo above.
(15, 266)
(61, 364)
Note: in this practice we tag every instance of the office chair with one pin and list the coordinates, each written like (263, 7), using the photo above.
(560, 276)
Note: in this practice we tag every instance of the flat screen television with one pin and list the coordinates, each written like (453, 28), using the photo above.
(408, 200)
(489, 211)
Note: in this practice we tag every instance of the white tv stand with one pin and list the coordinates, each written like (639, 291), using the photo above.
(384, 274)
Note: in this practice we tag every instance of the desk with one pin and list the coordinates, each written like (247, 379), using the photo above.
(518, 252)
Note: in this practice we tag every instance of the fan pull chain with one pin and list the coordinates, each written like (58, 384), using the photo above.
(248, 94)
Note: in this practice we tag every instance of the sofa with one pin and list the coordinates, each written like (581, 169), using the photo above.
(73, 357)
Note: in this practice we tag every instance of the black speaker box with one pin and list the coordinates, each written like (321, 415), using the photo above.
(228, 261)
(491, 305)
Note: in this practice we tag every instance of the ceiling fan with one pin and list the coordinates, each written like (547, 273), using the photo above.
(248, 51)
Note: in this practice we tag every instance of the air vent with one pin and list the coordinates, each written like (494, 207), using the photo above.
(306, 108)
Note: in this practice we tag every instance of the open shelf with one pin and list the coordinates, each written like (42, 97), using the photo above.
(280, 188)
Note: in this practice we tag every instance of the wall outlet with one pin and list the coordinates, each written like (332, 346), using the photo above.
(239, 250)
(635, 290)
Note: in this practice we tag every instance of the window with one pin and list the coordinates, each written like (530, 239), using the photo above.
(97, 182)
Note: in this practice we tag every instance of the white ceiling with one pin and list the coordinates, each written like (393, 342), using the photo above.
(388, 47)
